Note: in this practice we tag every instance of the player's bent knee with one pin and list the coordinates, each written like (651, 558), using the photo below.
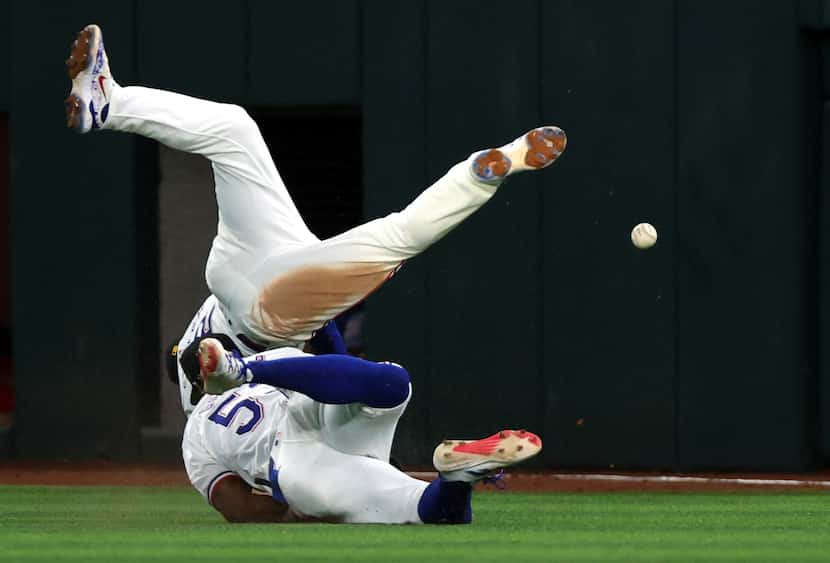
(396, 385)
(239, 121)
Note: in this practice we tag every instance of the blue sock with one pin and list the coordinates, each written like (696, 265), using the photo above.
(328, 340)
(446, 502)
(335, 379)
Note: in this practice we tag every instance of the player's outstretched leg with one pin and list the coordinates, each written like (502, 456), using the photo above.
(299, 290)
(461, 463)
(256, 212)
(319, 481)
(464, 189)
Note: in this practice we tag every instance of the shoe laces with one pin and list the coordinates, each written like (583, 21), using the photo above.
(496, 479)
(236, 366)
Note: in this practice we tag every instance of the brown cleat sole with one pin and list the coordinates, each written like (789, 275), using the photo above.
(79, 54)
(544, 145)
(491, 164)
(536, 149)
(78, 61)
(73, 105)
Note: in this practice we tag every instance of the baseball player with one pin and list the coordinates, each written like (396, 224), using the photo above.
(274, 283)
(312, 435)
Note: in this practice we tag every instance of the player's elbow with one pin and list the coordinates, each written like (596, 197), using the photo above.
(232, 498)
(234, 509)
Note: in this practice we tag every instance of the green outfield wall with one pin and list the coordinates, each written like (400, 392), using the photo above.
(704, 118)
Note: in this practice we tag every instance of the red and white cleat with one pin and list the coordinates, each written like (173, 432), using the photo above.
(474, 460)
(536, 149)
(220, 369)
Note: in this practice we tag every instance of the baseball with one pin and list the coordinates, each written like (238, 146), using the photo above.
(644, 236)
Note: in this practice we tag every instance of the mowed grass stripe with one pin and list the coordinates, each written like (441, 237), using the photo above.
(137, 524)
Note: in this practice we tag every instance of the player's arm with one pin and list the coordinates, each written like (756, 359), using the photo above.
(233, 498)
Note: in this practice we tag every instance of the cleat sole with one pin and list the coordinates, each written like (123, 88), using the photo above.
(536, 149)
(506, 448)
(80, 52)
(74, 110)
(492, 164)
(544, 146)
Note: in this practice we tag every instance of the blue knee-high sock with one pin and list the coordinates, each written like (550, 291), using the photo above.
(336, 379)
(328, 340)
(446, 502)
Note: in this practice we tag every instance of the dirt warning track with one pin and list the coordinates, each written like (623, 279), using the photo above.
(108, 473)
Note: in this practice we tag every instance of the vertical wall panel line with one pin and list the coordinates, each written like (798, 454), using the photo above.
(675, 187)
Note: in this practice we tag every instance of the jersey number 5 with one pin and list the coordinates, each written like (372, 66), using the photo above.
(230, 407)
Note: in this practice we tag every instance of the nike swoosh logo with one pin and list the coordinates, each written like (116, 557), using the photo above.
(101, 79)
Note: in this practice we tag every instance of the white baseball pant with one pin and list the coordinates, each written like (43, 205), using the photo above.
(275, 280)
(333, 462)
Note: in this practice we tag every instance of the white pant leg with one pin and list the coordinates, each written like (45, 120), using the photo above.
(320, 481)
(354, 428)
(333, 462)
(298, 289)
(318, 478)
(361, 430)
(256, 213)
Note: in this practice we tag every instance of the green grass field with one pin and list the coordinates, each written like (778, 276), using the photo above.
(122, 524)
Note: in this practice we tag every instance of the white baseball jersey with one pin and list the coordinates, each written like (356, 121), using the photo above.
(234, 434)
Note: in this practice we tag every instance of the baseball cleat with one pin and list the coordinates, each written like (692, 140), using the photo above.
(474, 460)
(87, 105)
(491, 165)
(220, 370)
(534, 150)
